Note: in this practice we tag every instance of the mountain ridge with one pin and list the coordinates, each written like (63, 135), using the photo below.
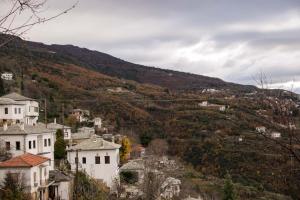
(116, 67)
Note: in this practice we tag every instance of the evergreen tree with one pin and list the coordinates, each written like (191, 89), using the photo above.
(2, 88)
(228, 190)
(60, 145)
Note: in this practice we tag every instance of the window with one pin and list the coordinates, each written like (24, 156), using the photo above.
(33, 144)
(45, 172)
(29, 144)
(6, 110)
(16, 110)
(76, 160)
(18, 145)
(49, 142)
(45, 142)
(36, 109)
(107, 159)
(97, 160)
(83, 160)
(19, 110)
(7, 146)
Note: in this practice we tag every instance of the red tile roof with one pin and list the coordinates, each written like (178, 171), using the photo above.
(25, 160)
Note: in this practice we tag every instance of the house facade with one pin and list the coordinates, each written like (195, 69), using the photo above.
(32, 170)
(30, 107)
(37, 140)
(81, 115)
(98, 158)
(97, 122)
(11, 111)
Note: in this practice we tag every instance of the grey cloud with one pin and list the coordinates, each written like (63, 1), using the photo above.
(229, 39)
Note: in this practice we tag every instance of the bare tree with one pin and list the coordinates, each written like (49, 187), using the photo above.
(284, 111)
(28, 13)
(158, 147)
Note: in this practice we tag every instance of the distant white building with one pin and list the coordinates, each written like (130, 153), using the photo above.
(81, 115)
(67, 131)
(222, 108)
(203, 104)
(30, 107)
(37, 140)
(7, 76)
(170, 188)
(97, 122)
(261, 129)
(33, 170)
(275, 135)
(98, 158)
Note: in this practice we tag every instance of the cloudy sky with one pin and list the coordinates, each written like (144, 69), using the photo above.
(231, 39)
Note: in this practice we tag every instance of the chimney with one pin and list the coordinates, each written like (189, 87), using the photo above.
(54, 121)
(5, 127)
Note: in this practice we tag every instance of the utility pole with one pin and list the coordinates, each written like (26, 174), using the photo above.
(63, 115)
(45, 111)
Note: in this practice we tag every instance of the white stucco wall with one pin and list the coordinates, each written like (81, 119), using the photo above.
(12, 115)
(64, 190)
(106, 172)
(67, 133)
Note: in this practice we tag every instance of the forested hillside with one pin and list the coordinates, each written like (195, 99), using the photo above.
(203, 137)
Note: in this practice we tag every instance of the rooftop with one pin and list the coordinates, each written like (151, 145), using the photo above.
(17, 130)
(17, 97)
(56, 126)
(95, 143)
(81, 135)
(58, 176)
(25, 160)
(137, 164)
(7, 101)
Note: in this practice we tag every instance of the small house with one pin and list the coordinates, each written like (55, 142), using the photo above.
(97, 157)
(261, 129)
(32, 171)
(7, 76)
(170, 188)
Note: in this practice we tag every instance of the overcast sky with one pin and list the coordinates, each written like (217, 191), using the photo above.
(230, 39)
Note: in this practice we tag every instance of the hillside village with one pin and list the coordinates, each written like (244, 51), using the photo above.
(32, 152)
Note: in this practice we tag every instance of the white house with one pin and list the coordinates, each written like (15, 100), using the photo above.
(11, 111)
(275, 135)
(261, 129)
(98, 158)
(97, 122)
(32, 170)
(62, 186)
(31, 107)
(7, 76)
(81, 115)
(36, 140)
(67, 131)
(203, 104)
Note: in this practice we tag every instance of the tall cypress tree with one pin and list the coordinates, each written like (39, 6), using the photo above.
(229, 190)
